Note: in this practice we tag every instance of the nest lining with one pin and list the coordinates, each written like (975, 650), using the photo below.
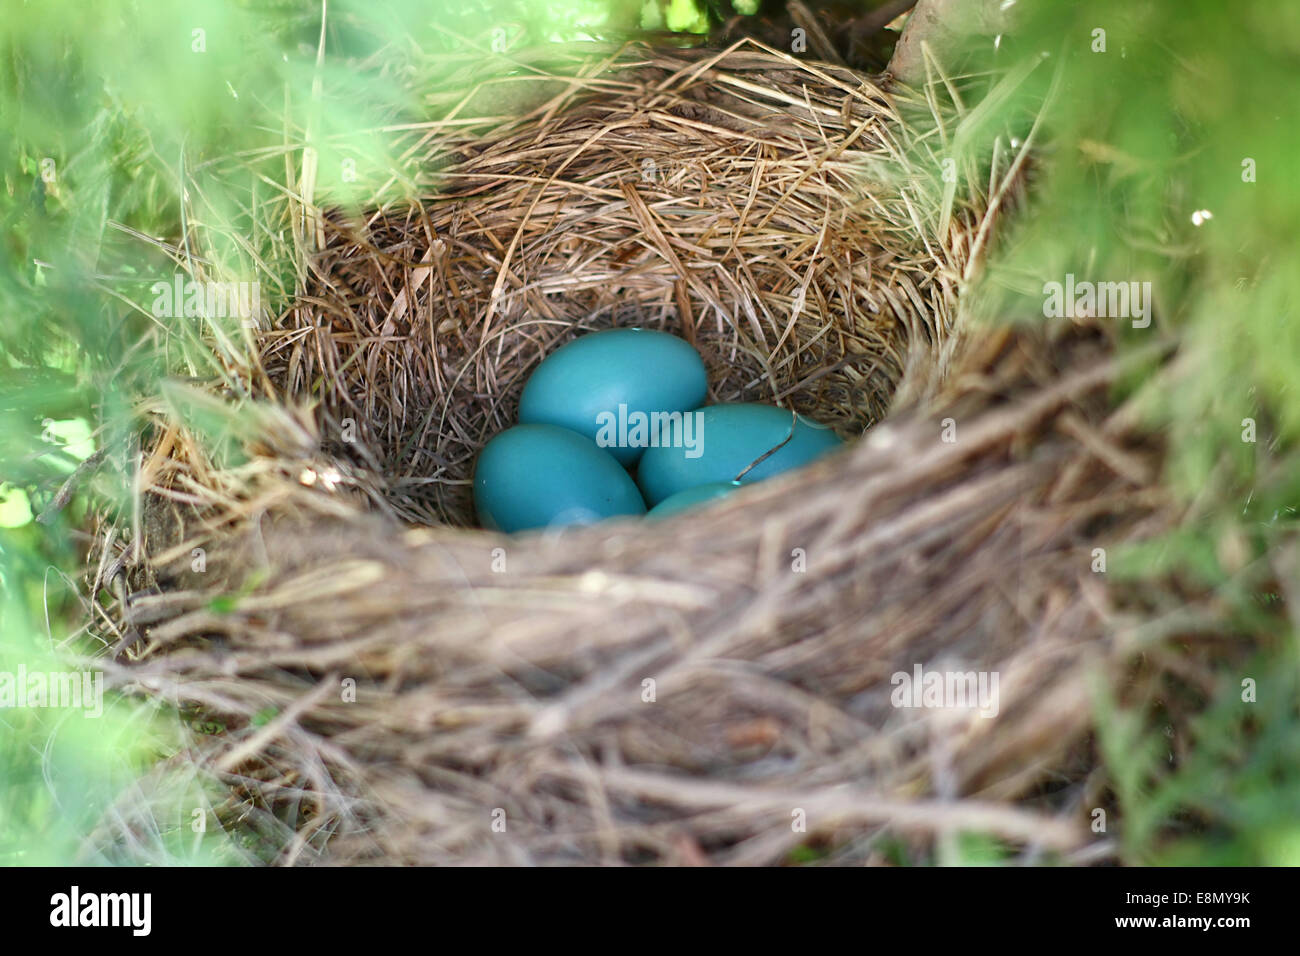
(761, 210)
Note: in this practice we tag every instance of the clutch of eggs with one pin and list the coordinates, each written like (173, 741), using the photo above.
(630, 398)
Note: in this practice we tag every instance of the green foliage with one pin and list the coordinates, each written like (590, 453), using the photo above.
(1185, 111)
(1231, 796)
(686, 16)
(979, 849)
(64, 771)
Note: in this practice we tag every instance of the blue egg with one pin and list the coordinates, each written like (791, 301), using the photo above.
(723, 441)
(691, 497)
(611, 385)
(541, 476)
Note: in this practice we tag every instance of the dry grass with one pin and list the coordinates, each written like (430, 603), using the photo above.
(790, 220)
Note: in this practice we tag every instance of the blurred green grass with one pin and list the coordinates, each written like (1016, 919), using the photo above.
(102, 121)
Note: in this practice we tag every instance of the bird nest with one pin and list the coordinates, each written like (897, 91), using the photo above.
(390, 684)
